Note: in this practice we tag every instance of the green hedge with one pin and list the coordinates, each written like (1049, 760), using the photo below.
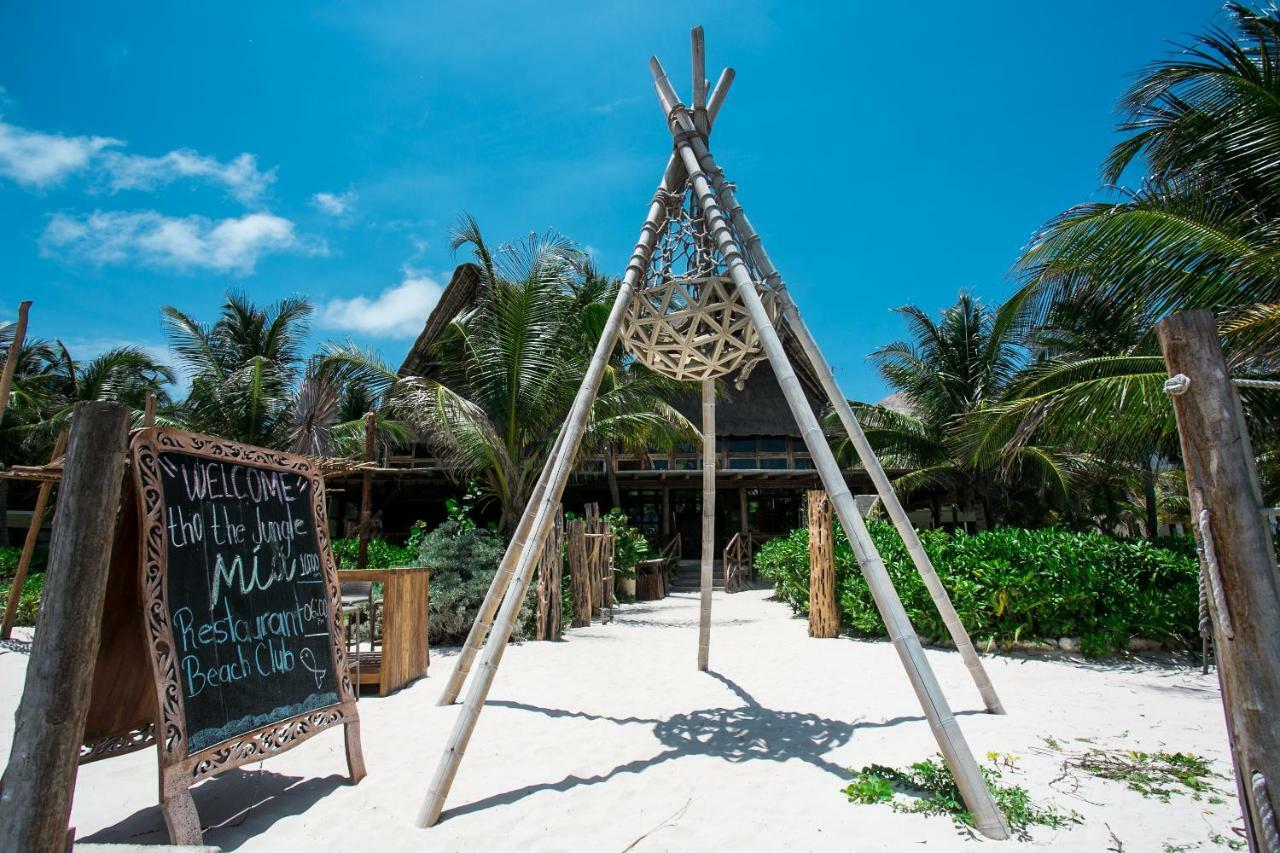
(1012, 584)
(29, 600)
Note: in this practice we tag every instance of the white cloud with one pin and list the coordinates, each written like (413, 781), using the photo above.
(39, 160)
(335, 204)
(240, 176)
(232, 245)
(397, 312)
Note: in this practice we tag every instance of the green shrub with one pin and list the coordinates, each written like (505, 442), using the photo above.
(463, 560)
(381, 555)
(28, 601)
(1012, 584)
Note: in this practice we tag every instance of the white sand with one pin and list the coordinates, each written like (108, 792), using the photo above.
(612, 740)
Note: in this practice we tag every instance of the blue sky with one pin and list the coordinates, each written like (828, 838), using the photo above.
(164, 153)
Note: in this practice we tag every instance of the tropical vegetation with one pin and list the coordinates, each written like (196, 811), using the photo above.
(1014, 585)
(1057, 393)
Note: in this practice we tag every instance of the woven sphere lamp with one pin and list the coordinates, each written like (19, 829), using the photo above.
(692, 328)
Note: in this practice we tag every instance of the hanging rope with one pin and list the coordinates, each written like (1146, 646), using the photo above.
(1214, 576)
(1261, 799)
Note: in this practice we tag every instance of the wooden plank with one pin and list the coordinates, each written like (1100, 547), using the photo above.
(49, 724)
(1238, 560)
(579, 573)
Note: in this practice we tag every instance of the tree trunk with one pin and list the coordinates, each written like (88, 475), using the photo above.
(49, 724)
(1238, 561)
(824, 614)
(4, 512)
(611, 472)
(1149, 494)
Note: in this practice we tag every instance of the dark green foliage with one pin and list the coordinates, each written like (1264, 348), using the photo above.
(935, 793)
(1012, 584)
(382, 554)
(29, 601)
(463, 561)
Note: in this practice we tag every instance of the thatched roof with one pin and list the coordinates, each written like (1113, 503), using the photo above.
(458, 295)
(758, 409)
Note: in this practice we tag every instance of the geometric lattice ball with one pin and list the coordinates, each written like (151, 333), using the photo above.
(693, 328)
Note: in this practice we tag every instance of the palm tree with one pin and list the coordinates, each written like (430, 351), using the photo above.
(948, 371)
(48, 382)
(511, 365)
(1199, 232)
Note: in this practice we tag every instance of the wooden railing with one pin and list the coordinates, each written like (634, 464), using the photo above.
(673, 550)
(737, 563)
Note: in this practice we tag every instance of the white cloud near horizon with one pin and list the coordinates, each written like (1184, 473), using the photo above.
(397, 312)
(39, 160)
(335, 204)
(232, 245)
(34, 159)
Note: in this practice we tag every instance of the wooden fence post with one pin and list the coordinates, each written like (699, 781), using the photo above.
(824, 614)
(1238, 562)
(550, 567)
(35, 805)
(29, 544)
(579, 573)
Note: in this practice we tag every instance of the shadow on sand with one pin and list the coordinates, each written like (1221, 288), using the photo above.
(234, 807)
(750, 732)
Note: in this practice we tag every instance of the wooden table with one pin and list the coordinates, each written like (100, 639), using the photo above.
(403, 656)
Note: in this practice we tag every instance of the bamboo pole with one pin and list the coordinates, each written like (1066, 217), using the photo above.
(560, 466)
(49, 723)
(29, 544)
(366, 489)
(708, 518)
(672, 178)
(1237, 561)
(960, 760)
(870, 461)
(11, 361)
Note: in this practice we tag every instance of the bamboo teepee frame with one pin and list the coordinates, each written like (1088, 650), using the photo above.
(741, 249)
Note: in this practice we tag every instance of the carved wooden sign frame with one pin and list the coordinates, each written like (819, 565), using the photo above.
(179, 768)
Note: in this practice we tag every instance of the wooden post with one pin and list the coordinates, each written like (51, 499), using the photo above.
(366, 490)
(707, 574)
(11, 361)
(955, 750)
(49, 726)
(549, 625)
(149, 413)
(1239, 567)
(824, 614)
(29, 544)
(595, 573)
(579, 574)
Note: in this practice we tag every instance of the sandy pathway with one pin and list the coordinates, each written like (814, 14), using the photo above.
(612, 740)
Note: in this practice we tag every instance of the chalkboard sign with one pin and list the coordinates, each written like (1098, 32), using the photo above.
(241, 603)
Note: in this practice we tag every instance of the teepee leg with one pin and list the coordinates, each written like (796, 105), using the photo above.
(671, 180)
(708, 518)
(497, 589)
(960, 760)
(888, 496)
(560, 465)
